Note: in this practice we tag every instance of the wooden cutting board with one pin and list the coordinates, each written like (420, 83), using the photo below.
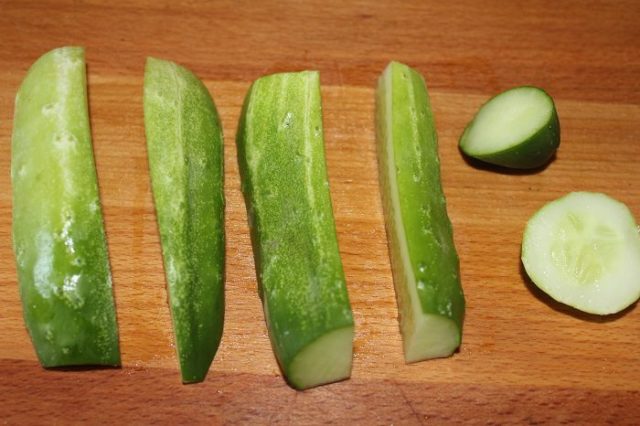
(524, 358)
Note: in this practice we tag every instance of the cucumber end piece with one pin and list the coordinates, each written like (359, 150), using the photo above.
(432, 336)
(326, 360)
(518, 129)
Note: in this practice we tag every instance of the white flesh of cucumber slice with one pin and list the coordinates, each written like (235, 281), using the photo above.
(584, 250)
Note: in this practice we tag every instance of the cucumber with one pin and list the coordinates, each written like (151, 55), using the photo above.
(286, 190)
(58, 233)
(185, 149)
(583, 250)
(518, 128)
(423, 256)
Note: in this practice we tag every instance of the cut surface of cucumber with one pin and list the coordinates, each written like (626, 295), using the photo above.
(286, 189)
(58, 232)
(324, 361)
(424, 261)
(584, 250)
(518, 128)
(185, 146)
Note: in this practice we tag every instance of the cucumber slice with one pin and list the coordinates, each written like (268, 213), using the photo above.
(185, 146)
(518, 128)
(286, 190)
(583, 250)
(58, 233)
(423, 256)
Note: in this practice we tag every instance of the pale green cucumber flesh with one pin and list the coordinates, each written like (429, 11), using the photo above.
(583, 250)
(58, 233)
(432, 336)
(185, 148)
(326, 360)
(518, 128)
(285, 184)
(424, 261)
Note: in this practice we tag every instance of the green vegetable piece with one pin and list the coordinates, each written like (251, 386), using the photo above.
(583, 250)
(286, 189)
(185, 148)
(423, 256)
(58, 234)
(518, 128)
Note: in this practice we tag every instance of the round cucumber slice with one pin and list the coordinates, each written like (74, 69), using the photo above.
(518, 129)
(584, 250)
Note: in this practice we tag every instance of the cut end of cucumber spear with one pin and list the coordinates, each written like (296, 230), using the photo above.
(326, 360)
(431, 336)
(583, 250)
(518, 128)
(424, 261)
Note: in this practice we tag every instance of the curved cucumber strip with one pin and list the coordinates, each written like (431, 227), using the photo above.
(518, 128)
(284, 181)
(185, 146)
(584, 250)
(423, 256)
(58, 234)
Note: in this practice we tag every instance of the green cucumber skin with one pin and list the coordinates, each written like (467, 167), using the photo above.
(428, 230)
(529, 154)
(185, 149)
(285, 185)
(58, 233)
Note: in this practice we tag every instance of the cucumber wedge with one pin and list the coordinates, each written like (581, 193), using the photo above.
(58, 233)
(583, 250)
(185, 148)
(423, 256)
(300, 275)
(518, 128)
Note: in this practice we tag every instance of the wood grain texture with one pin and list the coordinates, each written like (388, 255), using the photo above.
(524, 358)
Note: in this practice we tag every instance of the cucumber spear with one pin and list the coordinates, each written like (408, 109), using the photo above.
(58, 234)
(184, 140)
(286, 190)
(423, 257)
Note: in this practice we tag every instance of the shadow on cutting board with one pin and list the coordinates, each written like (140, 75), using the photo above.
(83, 368)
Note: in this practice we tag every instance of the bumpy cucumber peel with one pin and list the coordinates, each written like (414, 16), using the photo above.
(300, 275)
(423, 256)
(58, 233)
(185, 149)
